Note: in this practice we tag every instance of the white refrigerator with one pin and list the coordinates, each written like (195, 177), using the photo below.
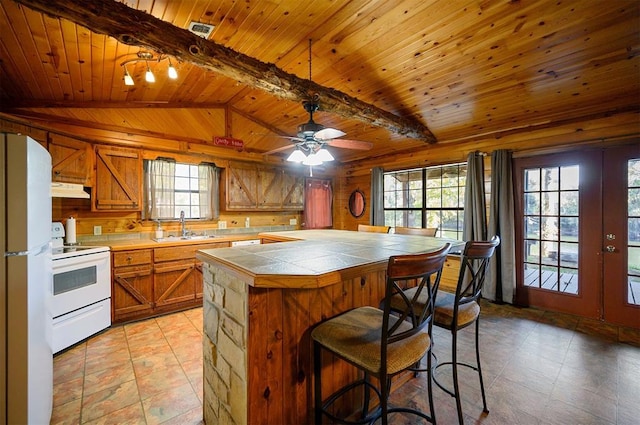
(26, 371)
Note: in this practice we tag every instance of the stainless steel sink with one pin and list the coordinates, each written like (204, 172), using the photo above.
(185, 238)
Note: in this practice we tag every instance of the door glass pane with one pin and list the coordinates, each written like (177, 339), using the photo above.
(551, 228)
(633, 230)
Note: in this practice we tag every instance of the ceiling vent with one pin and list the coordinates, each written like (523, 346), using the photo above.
(203, 30)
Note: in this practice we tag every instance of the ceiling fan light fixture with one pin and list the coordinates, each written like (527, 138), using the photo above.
(297, 156)
(312, 159)
(324, 155)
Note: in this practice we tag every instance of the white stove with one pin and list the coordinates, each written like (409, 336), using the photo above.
(67, 251)
(81, 304)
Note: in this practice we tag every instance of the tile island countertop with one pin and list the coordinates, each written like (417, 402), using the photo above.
(317, 258)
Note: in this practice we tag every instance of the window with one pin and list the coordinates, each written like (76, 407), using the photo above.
(172, 187)
(551, 223)
(426, 197)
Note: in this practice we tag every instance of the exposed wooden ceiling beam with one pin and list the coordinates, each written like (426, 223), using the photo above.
(134, 27)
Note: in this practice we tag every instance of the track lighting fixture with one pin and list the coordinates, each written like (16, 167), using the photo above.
(149, 77)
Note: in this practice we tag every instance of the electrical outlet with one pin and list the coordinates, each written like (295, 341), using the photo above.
(97, 230)
(293, 221)
(222, 224)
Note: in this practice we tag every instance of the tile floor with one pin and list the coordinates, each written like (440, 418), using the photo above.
(539, 368)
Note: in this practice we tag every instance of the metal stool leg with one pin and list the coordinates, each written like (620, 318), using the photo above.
(454, 367)
(317, 372)
(484, 399)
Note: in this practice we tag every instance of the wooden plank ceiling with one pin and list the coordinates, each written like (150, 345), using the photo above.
(463, 69)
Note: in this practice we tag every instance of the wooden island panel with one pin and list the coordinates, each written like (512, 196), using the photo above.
(274, 373)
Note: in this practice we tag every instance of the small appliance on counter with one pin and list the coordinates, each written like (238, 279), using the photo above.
(81, 304)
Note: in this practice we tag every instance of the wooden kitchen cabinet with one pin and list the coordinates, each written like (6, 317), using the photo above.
(293, 192)
(149, 282)
(71, 160)
(177, 276)
(250, 187)
(132, 285)
(118, 179)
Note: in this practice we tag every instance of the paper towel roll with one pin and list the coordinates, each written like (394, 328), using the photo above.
(70, 230)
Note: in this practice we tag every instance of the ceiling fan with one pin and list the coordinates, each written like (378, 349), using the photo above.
(312, 138)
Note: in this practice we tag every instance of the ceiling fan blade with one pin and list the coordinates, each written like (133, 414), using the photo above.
(280, 149)
(328, 133)
(350, 144)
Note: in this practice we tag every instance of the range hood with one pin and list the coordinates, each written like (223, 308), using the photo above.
(68, 190)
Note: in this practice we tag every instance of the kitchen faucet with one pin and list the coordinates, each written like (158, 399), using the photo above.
(182, 224)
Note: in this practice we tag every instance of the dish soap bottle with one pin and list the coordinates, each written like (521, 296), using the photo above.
(159, 231)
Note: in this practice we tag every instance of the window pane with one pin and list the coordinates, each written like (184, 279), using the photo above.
(433, 198)
(549, 203)
(569, 229)
(182, 183)
(532, 180)
(569, 254)
(550, 178)
(569, 203)
(415, 198)
(182, 170)
(532, 275)
(633, 172)
(569, 177)
(532, 227)
(569, 280)
(449, 176)
(634, 231)
(182, 198)
(634, 202)
(549, 228)
(532, 203)
(549, 252)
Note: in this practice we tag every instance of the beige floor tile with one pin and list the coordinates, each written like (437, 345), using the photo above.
(540, 368)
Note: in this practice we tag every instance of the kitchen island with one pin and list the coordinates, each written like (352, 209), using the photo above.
(260, 303)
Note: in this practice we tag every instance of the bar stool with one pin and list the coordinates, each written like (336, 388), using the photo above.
(459, 310)
(380, 343)
(373, 229)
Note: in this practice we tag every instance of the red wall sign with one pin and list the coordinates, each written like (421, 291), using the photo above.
(228, 142)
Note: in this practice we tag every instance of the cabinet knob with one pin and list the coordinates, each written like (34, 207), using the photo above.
(57, 172)
(129, 258)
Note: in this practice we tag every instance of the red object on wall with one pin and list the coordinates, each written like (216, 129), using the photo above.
(228, 142)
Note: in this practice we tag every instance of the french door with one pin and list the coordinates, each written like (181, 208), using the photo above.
(578, 233)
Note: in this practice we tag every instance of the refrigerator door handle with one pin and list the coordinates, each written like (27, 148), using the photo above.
(43, 249)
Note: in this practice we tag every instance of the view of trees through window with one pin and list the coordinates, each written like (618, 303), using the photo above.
(633, 228)
(426, 197)
(551, 223)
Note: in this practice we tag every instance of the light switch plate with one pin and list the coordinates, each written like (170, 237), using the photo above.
(222, 224)
(97, 230)
(293, 221)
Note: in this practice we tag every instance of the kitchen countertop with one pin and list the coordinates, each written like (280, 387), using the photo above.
(317, 258)
(127, 244)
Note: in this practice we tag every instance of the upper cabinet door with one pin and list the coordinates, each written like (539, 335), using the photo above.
(250, 187)
(71, 160)
(118, 184)
(241, 185)
(270, 188)
(293, 192)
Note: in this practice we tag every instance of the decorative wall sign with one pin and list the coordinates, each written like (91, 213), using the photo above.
(228, 142)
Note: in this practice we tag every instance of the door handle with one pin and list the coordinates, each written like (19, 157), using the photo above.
(610, 248)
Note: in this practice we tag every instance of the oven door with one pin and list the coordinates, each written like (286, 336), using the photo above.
(80, 281)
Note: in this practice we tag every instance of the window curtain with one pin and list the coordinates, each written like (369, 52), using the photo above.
(501, 282)
(208, 187)
(160, 180)
(377, 197)
(318, 202)
(475, 207)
